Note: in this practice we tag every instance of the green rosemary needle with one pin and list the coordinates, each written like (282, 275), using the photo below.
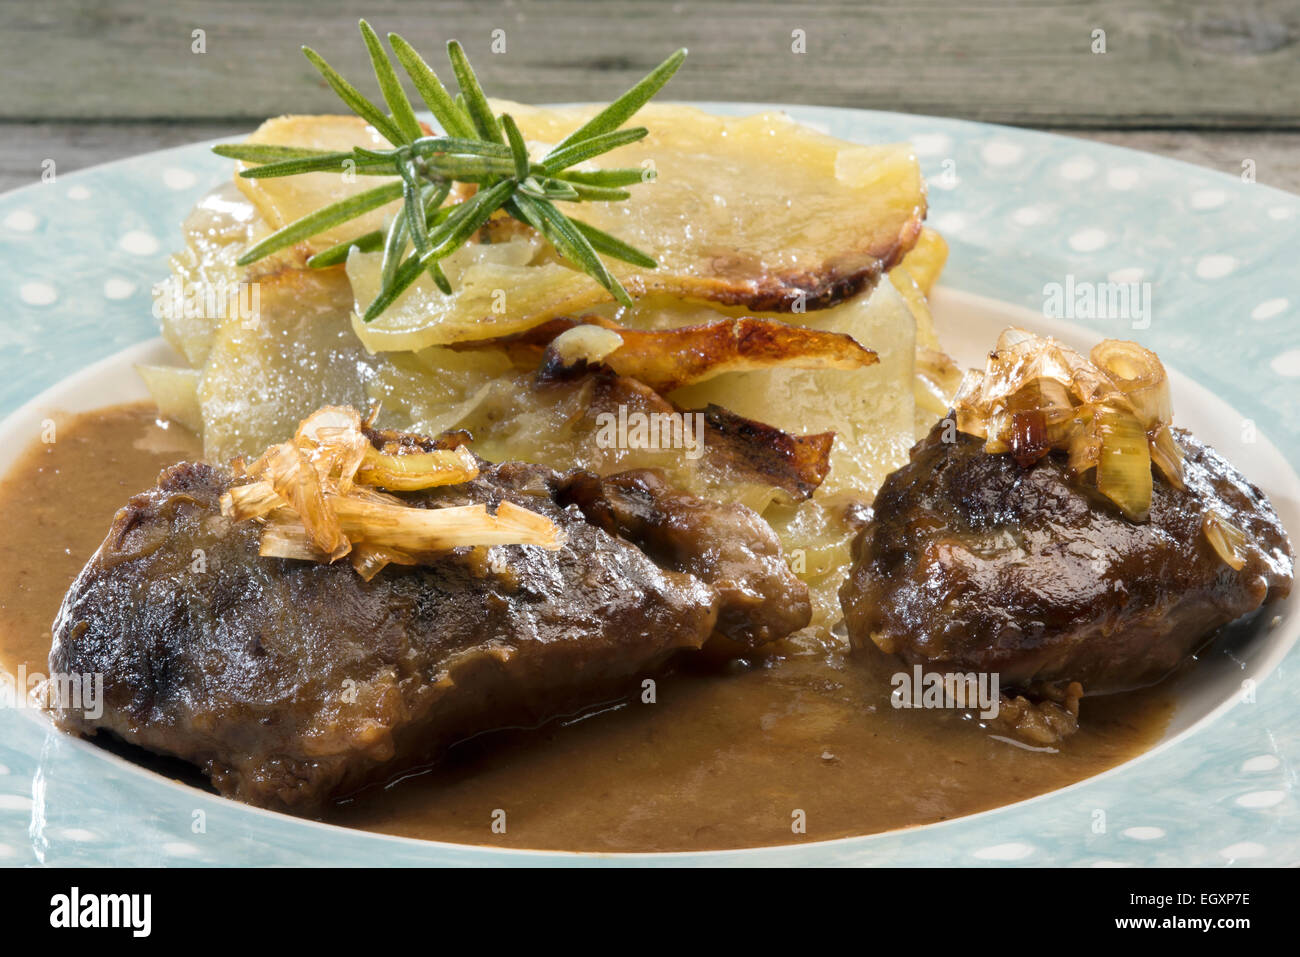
(476, 147)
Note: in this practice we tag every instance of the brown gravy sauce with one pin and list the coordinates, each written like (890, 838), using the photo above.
(726, 757)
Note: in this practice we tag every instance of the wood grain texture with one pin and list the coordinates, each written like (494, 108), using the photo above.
(1168, 63)
(1275, 155)
(24, 147)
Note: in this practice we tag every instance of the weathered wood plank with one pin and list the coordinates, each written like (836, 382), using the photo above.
(75, 146)
(24, 147)
(1167, 62)
(1276, 155)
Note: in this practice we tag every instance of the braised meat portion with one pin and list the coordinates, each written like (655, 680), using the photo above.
(972, 562)
(291, 683)
(728, 546)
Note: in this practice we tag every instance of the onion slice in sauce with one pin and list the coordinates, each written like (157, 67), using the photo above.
(1227, 539)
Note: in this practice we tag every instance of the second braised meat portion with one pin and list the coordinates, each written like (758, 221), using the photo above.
(972, 562)
(291, 683)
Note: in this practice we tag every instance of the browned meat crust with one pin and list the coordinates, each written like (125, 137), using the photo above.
(973, 563)
(293, 683)
(744, 449)
(796, 464)
(730, 547)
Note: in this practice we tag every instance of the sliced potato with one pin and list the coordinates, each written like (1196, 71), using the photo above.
(872, 412)
(175, 392)
(495, 284)
(925, 261)
(937, 376)
(869, 409)
(435, 389)
(262, 377)
(756, 212)
(915, 276)
(669, 358)
(217, 231)
(283, 199)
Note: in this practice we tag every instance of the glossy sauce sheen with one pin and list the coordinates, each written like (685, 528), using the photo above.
(727, 755)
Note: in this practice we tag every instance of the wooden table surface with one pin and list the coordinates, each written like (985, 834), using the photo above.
(1214, 83)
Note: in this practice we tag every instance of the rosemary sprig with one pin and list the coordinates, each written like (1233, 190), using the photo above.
(476, 147)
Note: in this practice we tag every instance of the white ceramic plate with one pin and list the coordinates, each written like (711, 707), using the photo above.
(1021, 211)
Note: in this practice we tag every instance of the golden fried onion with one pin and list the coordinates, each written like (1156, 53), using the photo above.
(319, 498)
(1110, 412)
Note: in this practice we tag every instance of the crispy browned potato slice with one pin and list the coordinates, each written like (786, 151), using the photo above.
(667, 359)
(284, 199)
